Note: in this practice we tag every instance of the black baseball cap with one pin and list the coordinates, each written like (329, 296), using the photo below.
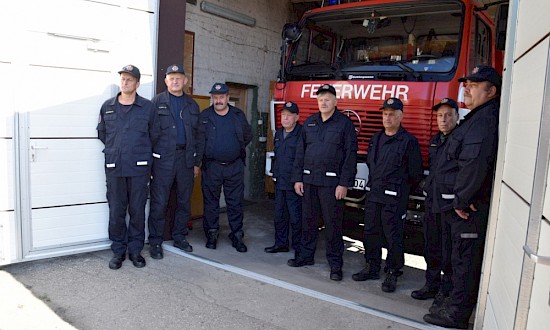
(174, 68)
(219, 88)
(131, 69)
(484, 73)
(292, 107)
(446, 101)
(392, 103)
(326, 88)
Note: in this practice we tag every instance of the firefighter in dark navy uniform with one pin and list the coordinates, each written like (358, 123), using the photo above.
(324, 168)
(129, 130)
(436, 285)
(288, 204)
(467, 172)
(224, 133)
(175, 160)
(395, 166)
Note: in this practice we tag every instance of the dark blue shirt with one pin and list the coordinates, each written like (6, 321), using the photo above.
(226, 144)
(176, 105)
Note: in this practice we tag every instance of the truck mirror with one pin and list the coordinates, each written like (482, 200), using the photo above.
(502, 20)
(291, 32)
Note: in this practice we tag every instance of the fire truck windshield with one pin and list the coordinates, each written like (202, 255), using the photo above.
(409, 41)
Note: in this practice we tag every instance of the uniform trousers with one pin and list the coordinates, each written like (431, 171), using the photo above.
(433, 253)
(384, 223)
(231, 178)
(466, 255)
(127, 194)
(288, 209)
(321, 201)
(183, 178)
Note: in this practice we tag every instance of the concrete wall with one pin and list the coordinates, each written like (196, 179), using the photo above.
(227, 51)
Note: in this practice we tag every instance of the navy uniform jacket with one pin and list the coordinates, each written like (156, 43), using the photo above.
(467, 171)
(207, 130)
(128, 137)
(285, 153)
(395, 170)
(164, 152)
(326, 154)
(436, 200)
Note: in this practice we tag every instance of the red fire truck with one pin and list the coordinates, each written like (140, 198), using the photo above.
(375, 49)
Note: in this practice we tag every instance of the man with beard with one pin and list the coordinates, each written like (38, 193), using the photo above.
(468, 168)
(224, 134)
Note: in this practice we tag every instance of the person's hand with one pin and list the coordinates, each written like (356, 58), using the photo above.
(299, 188)
(464, 214)
(196, 171)
(341, 192)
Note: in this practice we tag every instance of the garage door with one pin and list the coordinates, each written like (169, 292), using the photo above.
(73, 50)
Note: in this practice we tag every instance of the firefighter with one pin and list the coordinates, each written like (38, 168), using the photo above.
(324, 168)
(447, 119)
(175, 160)
(224, 132)
(468, 168)
(129, 130)
(288, 204)
(395, 166)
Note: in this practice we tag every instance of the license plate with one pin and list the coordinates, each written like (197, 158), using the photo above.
(359, 184)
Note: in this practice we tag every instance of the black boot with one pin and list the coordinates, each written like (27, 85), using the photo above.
(211, 238)
(390, 283)
(370, 272)
(237, 240)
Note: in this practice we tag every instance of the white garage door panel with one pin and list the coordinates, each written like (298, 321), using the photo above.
(533, 24)
(539, 312)
(144, 32)
(6, 103)
(7, 191)
(59, 50)
(506, 267)
(8, 238)
(67, 172)
(64, 226)
(68, 103)
(86, 18)
(524, 121)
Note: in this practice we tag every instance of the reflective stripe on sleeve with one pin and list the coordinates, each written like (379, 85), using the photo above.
(448, 196)
(111, 165)
(156, 155)
(142, 163)
(391, 193)
(330, 174)
(307, 172)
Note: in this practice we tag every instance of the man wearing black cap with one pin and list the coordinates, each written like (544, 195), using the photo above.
(324, 168)
(129, 129)
(395, 166)
(224, 133)
(175, 160)
(436, 285)
(288, 204)
(468, 168)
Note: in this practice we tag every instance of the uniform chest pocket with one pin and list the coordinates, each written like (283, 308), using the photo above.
(110, 121)
(470, 151)
(394, 159)
(165, 118)
(311, 133)
(333, 137)
(140, 124)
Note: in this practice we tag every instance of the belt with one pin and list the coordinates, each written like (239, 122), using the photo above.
(180, 146)
(225, 163)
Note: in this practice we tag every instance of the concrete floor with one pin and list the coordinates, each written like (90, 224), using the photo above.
(222, 288)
